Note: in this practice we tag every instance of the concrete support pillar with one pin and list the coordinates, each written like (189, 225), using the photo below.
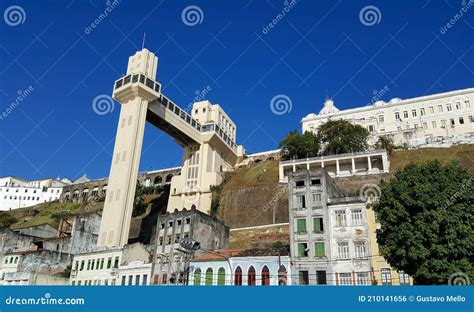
(281, 173)
(385, 163)
(307, 166)
(369, 165)
(337, 168)
(353, 166)
(294, 168)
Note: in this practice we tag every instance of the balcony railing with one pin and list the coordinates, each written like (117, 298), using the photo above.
(169, 105)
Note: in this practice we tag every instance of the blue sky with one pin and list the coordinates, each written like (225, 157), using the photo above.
(318, 49)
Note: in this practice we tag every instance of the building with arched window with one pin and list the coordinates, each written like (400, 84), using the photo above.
(240, 270)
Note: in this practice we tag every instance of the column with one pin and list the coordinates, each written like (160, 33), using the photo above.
(337, 167)
(353, 166)
(369, 165)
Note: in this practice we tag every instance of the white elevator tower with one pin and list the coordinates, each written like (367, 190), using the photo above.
(207, 136)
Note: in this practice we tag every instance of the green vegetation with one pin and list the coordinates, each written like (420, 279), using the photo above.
(426, 214)
(6, 220)
(216, 191)
(341, 136)
(299, 146)
(385, 143)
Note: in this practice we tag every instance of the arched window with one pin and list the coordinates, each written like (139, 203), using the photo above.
(85, 193)
(147, 182)
(208, 281)
(221, 276)
(158, 180)
(67, 196)
(104, 190)
(238, 276)
(95, 192)
(251, 276)
(75, 195)
(265, 276)
(168, 178)
(197, 277)
(282, 276)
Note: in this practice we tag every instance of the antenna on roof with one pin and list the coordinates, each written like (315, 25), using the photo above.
(143, 42)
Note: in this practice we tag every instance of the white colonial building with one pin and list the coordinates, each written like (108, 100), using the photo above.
(427, 120)
(19, 193)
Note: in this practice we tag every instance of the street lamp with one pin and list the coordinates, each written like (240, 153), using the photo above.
(193, 245)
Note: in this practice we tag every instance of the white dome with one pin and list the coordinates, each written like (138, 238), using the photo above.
(328, 108)
(395, 100)
(379, 103)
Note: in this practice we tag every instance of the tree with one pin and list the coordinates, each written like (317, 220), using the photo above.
(426, 213)
(341, 136)
(298, 146)
(385, 143)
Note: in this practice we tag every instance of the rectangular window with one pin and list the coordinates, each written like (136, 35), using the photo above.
(458, 105)
(88, 265)
(301, 226)
(343, 250)
(404, 278)
(101, 263)
(299, 183)
(360, 248)
(431, 110)
(137, 280)
(443, 123)
(144, 279)
(116, 262)
(467, 103)
(321, 277)
(302, 249)
(318, 225)
(363, 278)
(319, 250)
(422, 112)
(300, 201)
(397, 116)
(381, 119)
(433, 123)
(82, 265)
(386, 276)
(452, 121)
(356, 215)
(109, 263)
(315, 181)
(405, 114)
(123, 280)
(340, 217)
(440, 108)
(471, 118)
(448, 107)
(413, 112)
(130, 280)
(399, 128)
(303, 277)
(461, 120)
(316, 200)
(345, 279)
